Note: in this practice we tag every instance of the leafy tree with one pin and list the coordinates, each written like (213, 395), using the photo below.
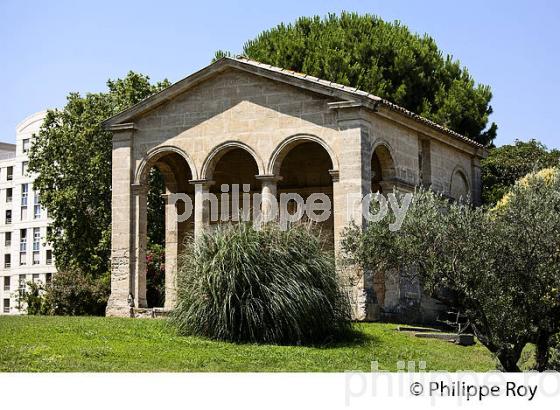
(382, 58)
(530, 225)
(508, 163)
(501, 264)
(72, 156)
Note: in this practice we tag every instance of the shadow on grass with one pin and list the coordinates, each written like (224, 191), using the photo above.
(354, 337)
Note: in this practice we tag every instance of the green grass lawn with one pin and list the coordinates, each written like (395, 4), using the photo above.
(74, 344)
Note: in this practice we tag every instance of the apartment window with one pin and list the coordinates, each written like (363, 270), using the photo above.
(25, 145)
(24, 194)
(23, 240)
(49, 257)
(36, 238)
(9, 195)
(8, 239)
(9, 173)
(36, 205)
(7, 260)
(36, 246)
(22, 281)
(24, 166)
(6, 306)
(8, 216)
(22, 284)
(35, 277)
(7, 284)
(23, 246)
(48, 278)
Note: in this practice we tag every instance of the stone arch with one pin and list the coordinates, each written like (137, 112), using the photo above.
(304, 166)
(383, 167)
(291, 142)
(177, 170)
(152, 157)
(220, 150)
(459, 186)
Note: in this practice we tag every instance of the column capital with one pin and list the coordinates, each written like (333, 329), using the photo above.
(139, 189)
(269, 178)
(206, 183)
(335, 175)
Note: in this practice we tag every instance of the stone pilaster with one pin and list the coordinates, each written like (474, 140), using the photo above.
(140, 241)
(121, 228)
(350, 185)
(476, 181)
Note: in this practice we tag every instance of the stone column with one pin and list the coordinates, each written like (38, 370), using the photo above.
(121, 227)
(171, 252)
(269, 210)
(140, 242)
(201, 205)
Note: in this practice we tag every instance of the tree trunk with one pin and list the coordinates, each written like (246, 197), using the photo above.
(508, 360)
(542, 343)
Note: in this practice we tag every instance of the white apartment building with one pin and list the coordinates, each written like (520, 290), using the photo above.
(24, 254)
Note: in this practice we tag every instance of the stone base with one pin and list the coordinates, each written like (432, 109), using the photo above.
(118, 311)
(150, 313)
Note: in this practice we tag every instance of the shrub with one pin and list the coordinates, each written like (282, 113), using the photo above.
(74, 293)
(33, 299)
(155, 275)
(246, 285)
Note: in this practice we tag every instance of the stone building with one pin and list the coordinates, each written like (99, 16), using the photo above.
(238, 121)
(24, 254)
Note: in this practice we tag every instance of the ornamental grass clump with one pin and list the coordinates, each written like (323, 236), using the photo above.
(266, 285)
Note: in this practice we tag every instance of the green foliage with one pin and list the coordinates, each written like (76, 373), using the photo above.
(382, 58)
(502, 264)
(271, 286)
(508, 163)
(554, 361)
(221, 54)
(33, 299)
(156, 208)
(155, 275)
(72, 156)
(528, 220)
(73, 293)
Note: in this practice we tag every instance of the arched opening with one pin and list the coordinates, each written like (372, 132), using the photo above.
(164, 174)
(234, 174)
(459, 189)
(304, 170)
(382, 170)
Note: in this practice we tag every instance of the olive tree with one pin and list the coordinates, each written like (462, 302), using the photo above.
(502, 263)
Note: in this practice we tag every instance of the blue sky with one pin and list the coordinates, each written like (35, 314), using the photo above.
(48, 49)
